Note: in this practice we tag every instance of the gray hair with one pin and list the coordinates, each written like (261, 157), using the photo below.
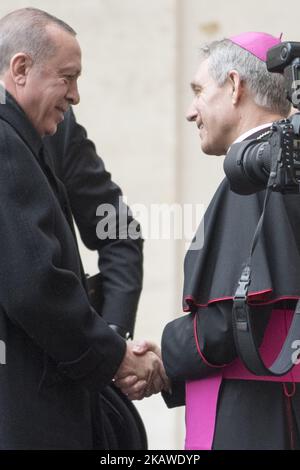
(267, 88)
(24, 30)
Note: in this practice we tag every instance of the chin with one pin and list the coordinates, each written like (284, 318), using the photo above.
(51, 130)
(211, 150)
(208, 150)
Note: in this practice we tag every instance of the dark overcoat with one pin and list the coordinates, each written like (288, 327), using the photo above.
(59, 351)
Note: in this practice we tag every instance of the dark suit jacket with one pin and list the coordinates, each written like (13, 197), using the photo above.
(88, 185)
(59, 351)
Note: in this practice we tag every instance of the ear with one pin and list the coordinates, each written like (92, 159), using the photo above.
(236, 84)
(20, 64)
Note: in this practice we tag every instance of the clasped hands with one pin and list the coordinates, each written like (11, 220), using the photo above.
(141, 373)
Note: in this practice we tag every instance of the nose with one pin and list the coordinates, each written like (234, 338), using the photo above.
(73, 95)
(192, 113)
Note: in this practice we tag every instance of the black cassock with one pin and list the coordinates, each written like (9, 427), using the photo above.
(250, 414)
(59, 351)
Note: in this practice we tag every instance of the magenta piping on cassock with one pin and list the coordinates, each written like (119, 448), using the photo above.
(191, 300)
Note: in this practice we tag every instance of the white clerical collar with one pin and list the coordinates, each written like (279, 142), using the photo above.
(251, 131)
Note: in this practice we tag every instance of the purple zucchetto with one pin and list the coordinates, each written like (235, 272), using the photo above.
(256, 43)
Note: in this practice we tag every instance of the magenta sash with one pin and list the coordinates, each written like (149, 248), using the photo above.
(202, 395)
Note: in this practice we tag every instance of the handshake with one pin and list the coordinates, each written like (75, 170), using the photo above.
(141, 373)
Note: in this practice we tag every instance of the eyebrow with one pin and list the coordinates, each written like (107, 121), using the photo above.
(70, 71)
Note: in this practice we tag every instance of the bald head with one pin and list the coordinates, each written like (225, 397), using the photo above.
(27, 30)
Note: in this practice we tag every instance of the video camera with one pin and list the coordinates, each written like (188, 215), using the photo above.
(251, 166)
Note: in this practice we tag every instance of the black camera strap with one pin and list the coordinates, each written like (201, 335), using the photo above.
(246, 344)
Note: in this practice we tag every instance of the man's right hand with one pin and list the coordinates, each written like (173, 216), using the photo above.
(140, 375)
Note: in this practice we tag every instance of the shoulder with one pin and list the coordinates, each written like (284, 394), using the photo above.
(18, 164)
(10, 138)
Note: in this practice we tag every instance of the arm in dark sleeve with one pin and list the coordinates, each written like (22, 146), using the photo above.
(89, 185)
(194, 345)
(38, 292)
